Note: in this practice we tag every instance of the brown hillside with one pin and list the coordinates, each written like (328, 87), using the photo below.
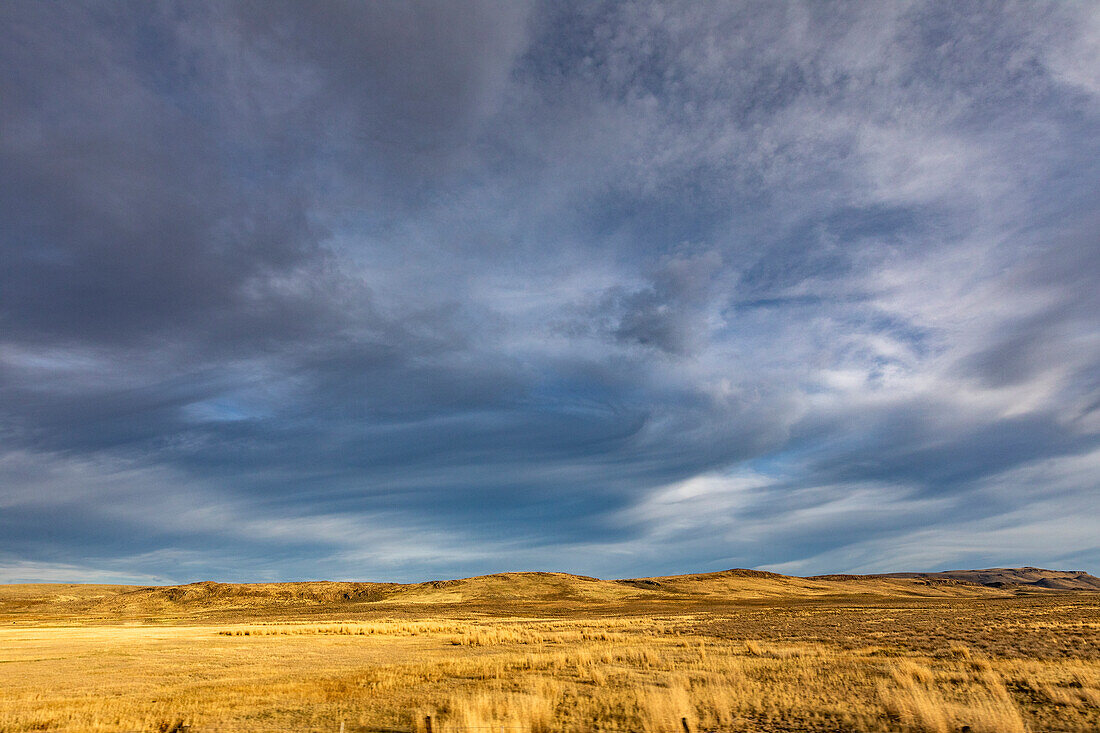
(745, 584)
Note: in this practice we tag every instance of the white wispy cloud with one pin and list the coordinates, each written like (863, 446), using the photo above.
(395, 292)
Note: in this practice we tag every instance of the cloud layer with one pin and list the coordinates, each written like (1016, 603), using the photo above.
(400, 291)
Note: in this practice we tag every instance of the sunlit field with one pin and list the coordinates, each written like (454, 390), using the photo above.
(992, 664)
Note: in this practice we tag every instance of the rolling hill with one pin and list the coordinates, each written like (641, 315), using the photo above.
(540, 592)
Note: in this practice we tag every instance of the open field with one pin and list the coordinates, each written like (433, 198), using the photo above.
(553, 652)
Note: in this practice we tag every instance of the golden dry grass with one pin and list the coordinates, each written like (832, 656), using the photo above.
(993, 665)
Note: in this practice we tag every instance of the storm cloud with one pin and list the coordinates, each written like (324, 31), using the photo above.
(397, 291)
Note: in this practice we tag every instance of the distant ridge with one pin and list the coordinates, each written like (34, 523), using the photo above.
(1007, 577)
(541, 592)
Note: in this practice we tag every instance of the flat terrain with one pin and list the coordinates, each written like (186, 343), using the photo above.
(1011, 650)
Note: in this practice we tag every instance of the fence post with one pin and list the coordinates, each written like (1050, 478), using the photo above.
(684, 722)
(428, 723)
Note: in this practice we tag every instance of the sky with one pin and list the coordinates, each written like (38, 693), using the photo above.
(400, 291)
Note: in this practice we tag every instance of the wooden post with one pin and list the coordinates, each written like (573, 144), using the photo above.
(684, 722)
(428, 723)
(341, 726)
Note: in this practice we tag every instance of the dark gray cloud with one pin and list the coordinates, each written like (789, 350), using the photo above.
(390, 291)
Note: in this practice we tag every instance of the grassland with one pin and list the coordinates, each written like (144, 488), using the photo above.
(735, 651)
